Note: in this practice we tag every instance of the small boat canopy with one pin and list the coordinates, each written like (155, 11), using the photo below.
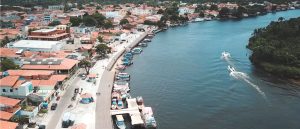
(119, 117)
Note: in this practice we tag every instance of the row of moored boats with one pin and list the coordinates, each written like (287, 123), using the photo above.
(121, 99)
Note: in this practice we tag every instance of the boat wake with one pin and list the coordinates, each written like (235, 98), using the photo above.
(227, 57)
(246, 78)
(240, 75)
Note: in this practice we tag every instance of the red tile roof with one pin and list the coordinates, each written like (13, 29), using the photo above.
(9, 81)
(58, 77)
(29, 72)
(8, 52)
(8, 125)
(5, 115)
(66, 64)
(43, 83)
(9, 101)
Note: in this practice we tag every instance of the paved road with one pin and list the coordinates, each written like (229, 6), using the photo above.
(63, 104)
(103, 117)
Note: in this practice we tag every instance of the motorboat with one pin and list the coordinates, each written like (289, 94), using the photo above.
(123, 76)
(137, 50)
(225, 54)
(143, 44)
(114, 104)
(120, 104)
(147, 40)
(120, 122)
(230, 68)
(199, 20)
(148, 117)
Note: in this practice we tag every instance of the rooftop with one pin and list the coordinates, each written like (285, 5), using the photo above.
(9, 81)
(65, 64)
(8, 52)
(5, 115)
(35, 44)
(29, 72)
(8, 125)
(9, 101)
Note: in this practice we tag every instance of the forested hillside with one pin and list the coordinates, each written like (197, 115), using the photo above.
(276, 48)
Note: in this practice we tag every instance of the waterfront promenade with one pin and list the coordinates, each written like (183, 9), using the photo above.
(103, 102)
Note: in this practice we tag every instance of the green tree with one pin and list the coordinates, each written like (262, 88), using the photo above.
(89, 21)
(5, 41)
(224, 12)
(102, 50)
(201, 14)
(100, 19)
(124, 21)
(160, 11)
(7, 64)
(108, 24)
(214, 7)
(54, 23)
(75, 21)
(86, 64)
(100, 39)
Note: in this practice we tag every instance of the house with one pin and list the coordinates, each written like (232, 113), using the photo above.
(15, 87)
(8, 125)
(52, 34)
(9, 107)
(31, 74)
(55, 7)
(60, 66)
(143, 10)
(186, 10)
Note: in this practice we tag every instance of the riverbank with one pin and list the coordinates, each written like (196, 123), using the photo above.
(103, 103)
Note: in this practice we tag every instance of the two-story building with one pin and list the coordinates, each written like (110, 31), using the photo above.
(15, 87)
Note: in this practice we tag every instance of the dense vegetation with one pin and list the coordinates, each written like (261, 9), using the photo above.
(276, 48)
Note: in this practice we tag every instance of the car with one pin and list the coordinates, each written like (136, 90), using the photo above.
(83, 77)
(42, 127)
(53, 106)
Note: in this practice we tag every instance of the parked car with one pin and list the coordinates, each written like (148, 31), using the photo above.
(42, 126)
(53, 106)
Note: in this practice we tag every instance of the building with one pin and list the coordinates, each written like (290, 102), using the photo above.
(60, 66)
(9, 107)
(55, 7)
(15, 87)
(52, 34)
(37, 45)
(8, 125)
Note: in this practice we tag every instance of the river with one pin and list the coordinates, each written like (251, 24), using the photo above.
(182, 77)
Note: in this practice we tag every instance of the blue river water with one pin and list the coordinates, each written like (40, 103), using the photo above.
(182, 77)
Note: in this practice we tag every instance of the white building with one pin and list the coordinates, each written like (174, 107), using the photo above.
(15, 87)
(37, 45)
(55, 7)
(185, 10)
(143, 11)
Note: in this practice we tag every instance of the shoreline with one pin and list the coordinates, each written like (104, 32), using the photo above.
(103, 101)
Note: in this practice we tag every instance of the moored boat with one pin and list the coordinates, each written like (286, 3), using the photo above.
(137, 50)
(120, 122)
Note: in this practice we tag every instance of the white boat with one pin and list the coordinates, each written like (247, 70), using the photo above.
(120, 122)
(199, 20)
(207, 19)
(230, 68)
(225, 54)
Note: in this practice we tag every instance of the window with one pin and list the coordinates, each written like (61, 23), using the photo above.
(3, 90)
(11, 90)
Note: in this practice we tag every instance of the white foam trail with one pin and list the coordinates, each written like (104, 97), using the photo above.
(227, 57)
(245, 77)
